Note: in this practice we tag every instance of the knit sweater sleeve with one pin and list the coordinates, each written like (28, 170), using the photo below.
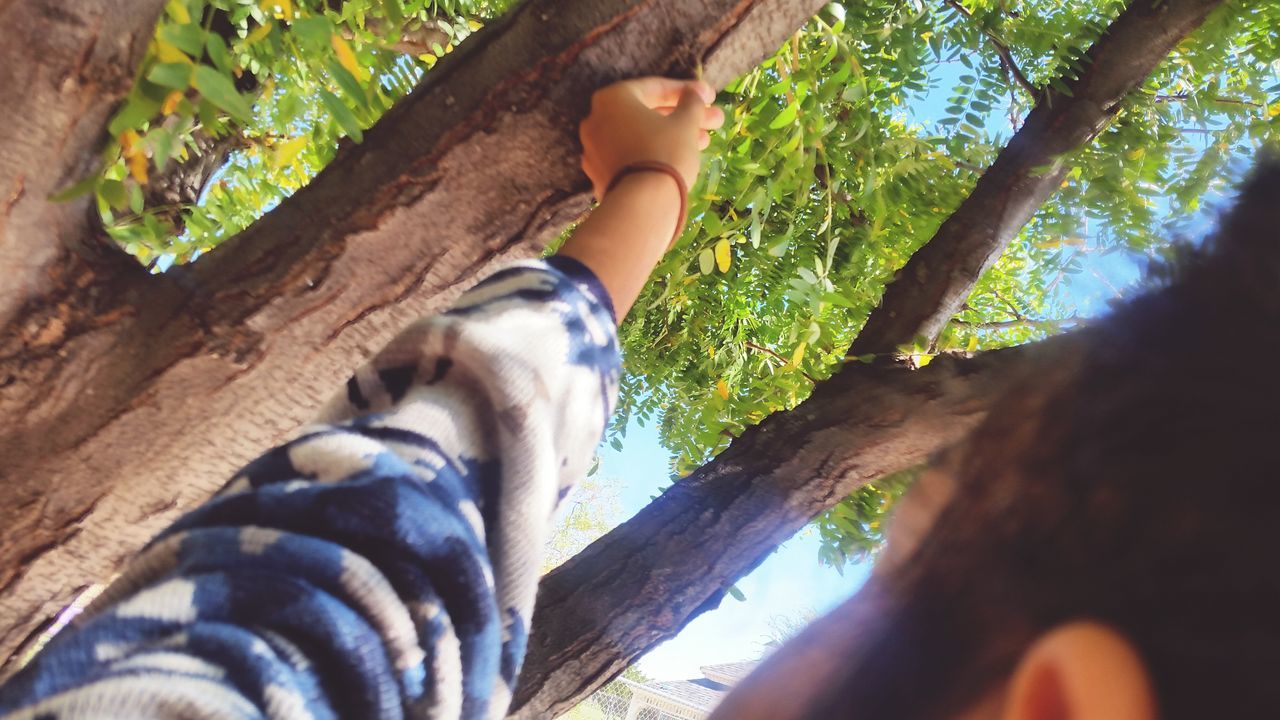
(383, 563)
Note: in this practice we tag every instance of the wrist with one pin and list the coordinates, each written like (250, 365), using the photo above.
(659, 187)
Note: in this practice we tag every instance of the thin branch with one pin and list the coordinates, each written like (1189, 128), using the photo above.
(1179, 97)
(1102, 278)
(785, 361)
(1012, 308)
(1013, 98)
(416, 40)
(1006, 57)
(1018, 323)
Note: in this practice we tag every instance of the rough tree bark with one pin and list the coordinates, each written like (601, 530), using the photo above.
(129, 397)
(939, 277)
(644, 581)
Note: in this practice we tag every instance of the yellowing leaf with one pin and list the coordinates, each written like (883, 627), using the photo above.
(722, 389)
(923, 359)
(724, 255)
(128, 140)
(346, 57)
(973, 343)
(134, 157)
(1274, 110)
(280, 9)
(138, 166)
(178, 11)
(287, 151)
(798, 354)
(171, 101)
(167, 52)
(258, 34)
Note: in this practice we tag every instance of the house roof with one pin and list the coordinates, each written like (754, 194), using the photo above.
(728, 673)
(699, 694)
(702, 693)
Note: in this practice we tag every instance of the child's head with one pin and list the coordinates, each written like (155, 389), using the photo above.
(1105, 544)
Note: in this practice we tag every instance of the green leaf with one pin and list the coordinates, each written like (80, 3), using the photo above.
(135, 112)
(187, 38)
(115, 193)
(160, 140)
(135, 199)
(219, 90)
(736, 593)
(176, 76)
(218, 53)
(83, 187)
(393, 12)
(343, 115)
(349, 84)
(786, 117)
(315, 30)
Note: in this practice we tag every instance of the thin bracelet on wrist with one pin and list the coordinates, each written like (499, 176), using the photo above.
(660, 167)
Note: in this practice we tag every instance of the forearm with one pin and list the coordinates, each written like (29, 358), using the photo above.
(627, 235)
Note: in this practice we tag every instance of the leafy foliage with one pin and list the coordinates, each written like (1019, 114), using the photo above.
(852, 531)
(828, 176)
(279, 83)
(593, 509)
(837, 162)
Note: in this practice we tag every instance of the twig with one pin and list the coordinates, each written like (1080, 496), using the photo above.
(1019, 323)
(1012, 308)
(1006, 57)
(1179, 97)
(785, 361)
(1105, 281)
(1013, 98)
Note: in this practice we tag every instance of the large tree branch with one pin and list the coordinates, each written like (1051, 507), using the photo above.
(641, 583)
(121, 415)
(940, 276)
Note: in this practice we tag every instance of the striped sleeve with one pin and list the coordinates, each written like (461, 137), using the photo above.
(382, 564)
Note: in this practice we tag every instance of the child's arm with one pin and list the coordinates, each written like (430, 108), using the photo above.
(650, 120)
(384, 563)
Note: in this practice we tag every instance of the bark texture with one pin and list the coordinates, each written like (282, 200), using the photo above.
(129, 397)
(641, 583)
(939, 277)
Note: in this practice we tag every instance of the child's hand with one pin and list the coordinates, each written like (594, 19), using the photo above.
(648, 119)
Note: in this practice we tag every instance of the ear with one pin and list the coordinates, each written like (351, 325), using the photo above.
(1080, 671)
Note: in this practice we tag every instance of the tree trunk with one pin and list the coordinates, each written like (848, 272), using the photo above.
(641, 583)
(939, 277)
(645, 580)
(131, 397)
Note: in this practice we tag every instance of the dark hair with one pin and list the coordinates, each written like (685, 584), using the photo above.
(1139, 486)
